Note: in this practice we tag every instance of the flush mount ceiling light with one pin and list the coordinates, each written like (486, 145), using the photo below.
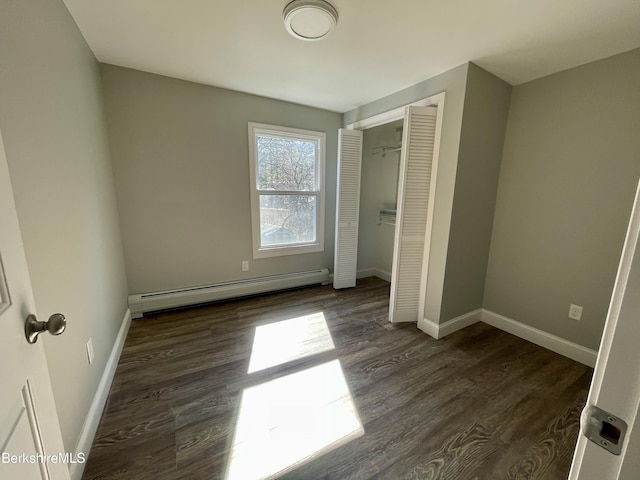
(309, 19)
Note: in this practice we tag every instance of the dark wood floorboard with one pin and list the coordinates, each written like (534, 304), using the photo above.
(478, 404)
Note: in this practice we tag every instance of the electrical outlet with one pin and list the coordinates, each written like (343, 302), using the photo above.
(575, 312)
(90, 351)
(245, 265)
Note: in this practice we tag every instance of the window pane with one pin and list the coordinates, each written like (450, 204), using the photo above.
(285, 164)
(287, 219)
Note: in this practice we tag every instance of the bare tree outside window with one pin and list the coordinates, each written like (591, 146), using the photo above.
(286, 167)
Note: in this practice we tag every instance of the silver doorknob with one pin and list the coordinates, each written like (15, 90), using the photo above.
(55, 326)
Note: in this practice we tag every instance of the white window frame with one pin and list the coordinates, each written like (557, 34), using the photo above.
(257, 129)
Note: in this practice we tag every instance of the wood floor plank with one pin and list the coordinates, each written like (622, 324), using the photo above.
(479, 404)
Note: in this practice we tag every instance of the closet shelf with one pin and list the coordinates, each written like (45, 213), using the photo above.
(391, 222)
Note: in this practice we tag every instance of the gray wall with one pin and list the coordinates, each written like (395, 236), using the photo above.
(379, 185)
(570, 167)
(181, 166)
(453, 82)
(484, 120)
(52, 121)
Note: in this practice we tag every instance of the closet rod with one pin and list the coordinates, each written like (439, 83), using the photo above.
(386, 149)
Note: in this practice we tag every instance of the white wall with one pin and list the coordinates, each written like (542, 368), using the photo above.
(378, 190)
(484, 120)
(569, 172)
(181, 163)
(453, 82)
(549, 232)
(52, 120)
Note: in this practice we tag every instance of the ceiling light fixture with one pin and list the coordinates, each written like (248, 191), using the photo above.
(309, 19)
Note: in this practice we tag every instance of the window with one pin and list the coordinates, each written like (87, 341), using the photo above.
(287, 190)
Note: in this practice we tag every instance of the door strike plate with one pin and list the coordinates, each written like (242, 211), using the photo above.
(603, 428)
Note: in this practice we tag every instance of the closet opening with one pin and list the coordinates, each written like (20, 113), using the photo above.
(380, 175)
(387, 171)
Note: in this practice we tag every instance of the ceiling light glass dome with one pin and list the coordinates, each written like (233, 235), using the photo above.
(309, 19)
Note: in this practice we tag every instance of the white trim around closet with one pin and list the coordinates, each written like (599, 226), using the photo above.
(396, 113)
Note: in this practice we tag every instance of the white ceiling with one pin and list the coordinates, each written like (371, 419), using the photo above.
(378, 47)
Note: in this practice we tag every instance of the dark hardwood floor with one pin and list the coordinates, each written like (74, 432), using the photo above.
(478, 404)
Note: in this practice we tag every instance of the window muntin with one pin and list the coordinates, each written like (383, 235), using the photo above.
(287, 190)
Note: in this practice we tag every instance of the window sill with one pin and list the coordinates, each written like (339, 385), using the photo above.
(268, 252)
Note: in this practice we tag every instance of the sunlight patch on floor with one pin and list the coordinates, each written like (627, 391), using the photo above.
(281, 342)
(288, 421)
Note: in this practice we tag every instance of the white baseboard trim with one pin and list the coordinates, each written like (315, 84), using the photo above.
(551, 342)
(539, 337)
(383, 275)
(429, 327)
(94, 414)
(438, 331)
(374, 272)
(367, 272)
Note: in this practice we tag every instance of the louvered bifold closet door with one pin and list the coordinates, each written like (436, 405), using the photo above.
(347, 208)
(407, 279)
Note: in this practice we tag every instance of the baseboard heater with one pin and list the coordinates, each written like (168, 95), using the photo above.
(150, 302)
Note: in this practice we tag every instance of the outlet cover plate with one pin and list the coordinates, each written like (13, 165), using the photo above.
(575, 312)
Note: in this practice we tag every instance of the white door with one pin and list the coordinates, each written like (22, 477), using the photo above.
(29, 429)
(347, 208)
(616, 382)
(414, 214)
